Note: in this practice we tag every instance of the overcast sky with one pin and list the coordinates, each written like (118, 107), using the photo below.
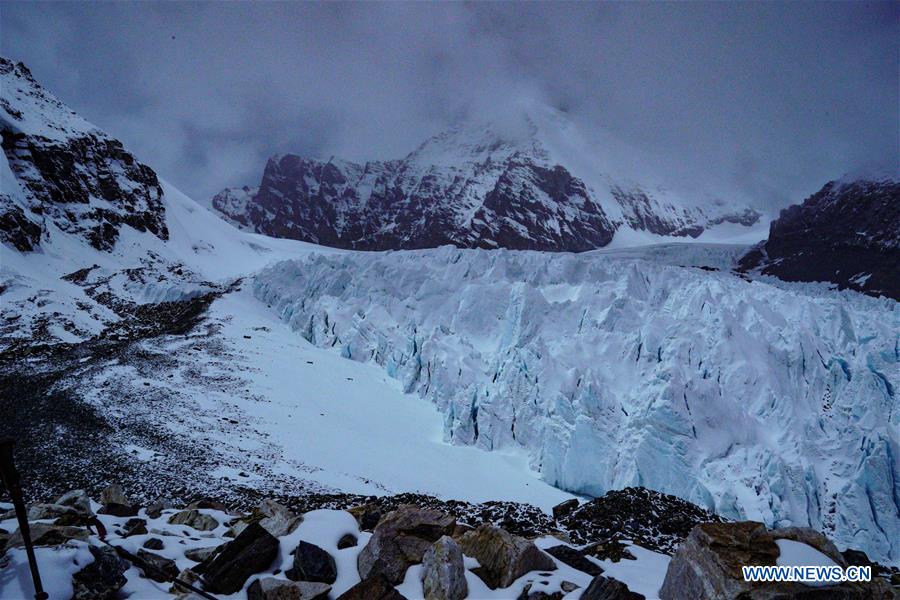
(763, 100)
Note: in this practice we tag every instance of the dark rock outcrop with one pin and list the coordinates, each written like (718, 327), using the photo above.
(69, 174)
(250, 552)
(847, 233)
(311, 563)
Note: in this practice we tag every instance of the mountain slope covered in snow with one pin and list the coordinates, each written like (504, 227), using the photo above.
(762, 402)
(476, 186)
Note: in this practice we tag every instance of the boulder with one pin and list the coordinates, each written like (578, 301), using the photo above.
(274, 518)
(201, 554)
(400, 540)
(376, 587)
(443, 572)
(270, 588)
(367, 515)
(504, 557)
(161, 569)
(194, 518)
(79, 500)
(113, 494)
(154, 511)
(708, 565)
(154, 544)
(348, 540)
(564, 508)
(278, 520)
(44, 534)
(574, 558)
(114, 502)
(250, 552)
(568, 586)
(134, 526)
(311, 563)
(49, 511)
(607, 588)
(101, 579)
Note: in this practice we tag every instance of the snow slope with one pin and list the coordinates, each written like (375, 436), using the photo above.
(768, 402)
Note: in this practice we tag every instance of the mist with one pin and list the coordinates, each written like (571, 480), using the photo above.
(763, 101)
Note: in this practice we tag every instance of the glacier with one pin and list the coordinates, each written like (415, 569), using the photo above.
(657, 367)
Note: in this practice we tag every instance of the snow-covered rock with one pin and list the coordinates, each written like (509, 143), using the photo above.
(474, 186)
(774, 403)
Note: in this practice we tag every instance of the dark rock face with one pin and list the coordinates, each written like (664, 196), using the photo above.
(348, 540)
(379, 206)
(708, 566)
(311, 563)
(83, 182)
(250, 552)
(846, 233)
(467, 188)
(17, 229)
(102, 579)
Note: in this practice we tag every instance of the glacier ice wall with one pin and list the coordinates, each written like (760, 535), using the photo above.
(761, 401)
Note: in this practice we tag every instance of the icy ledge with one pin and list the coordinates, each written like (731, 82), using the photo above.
(760, 402)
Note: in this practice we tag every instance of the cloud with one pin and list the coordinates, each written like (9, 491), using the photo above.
(762, 100)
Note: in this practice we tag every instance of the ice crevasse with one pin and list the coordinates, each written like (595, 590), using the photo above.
(760, 400)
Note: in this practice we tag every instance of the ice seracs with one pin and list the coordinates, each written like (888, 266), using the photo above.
(773, 403)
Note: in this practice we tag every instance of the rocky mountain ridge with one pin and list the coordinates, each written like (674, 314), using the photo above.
(847, 233)
(471, 186)
(69, 175)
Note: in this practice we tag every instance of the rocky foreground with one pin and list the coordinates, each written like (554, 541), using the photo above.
(408, 546)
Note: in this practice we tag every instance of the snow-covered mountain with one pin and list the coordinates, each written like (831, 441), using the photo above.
(847, 233)
(473, 186)
(144, 338)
